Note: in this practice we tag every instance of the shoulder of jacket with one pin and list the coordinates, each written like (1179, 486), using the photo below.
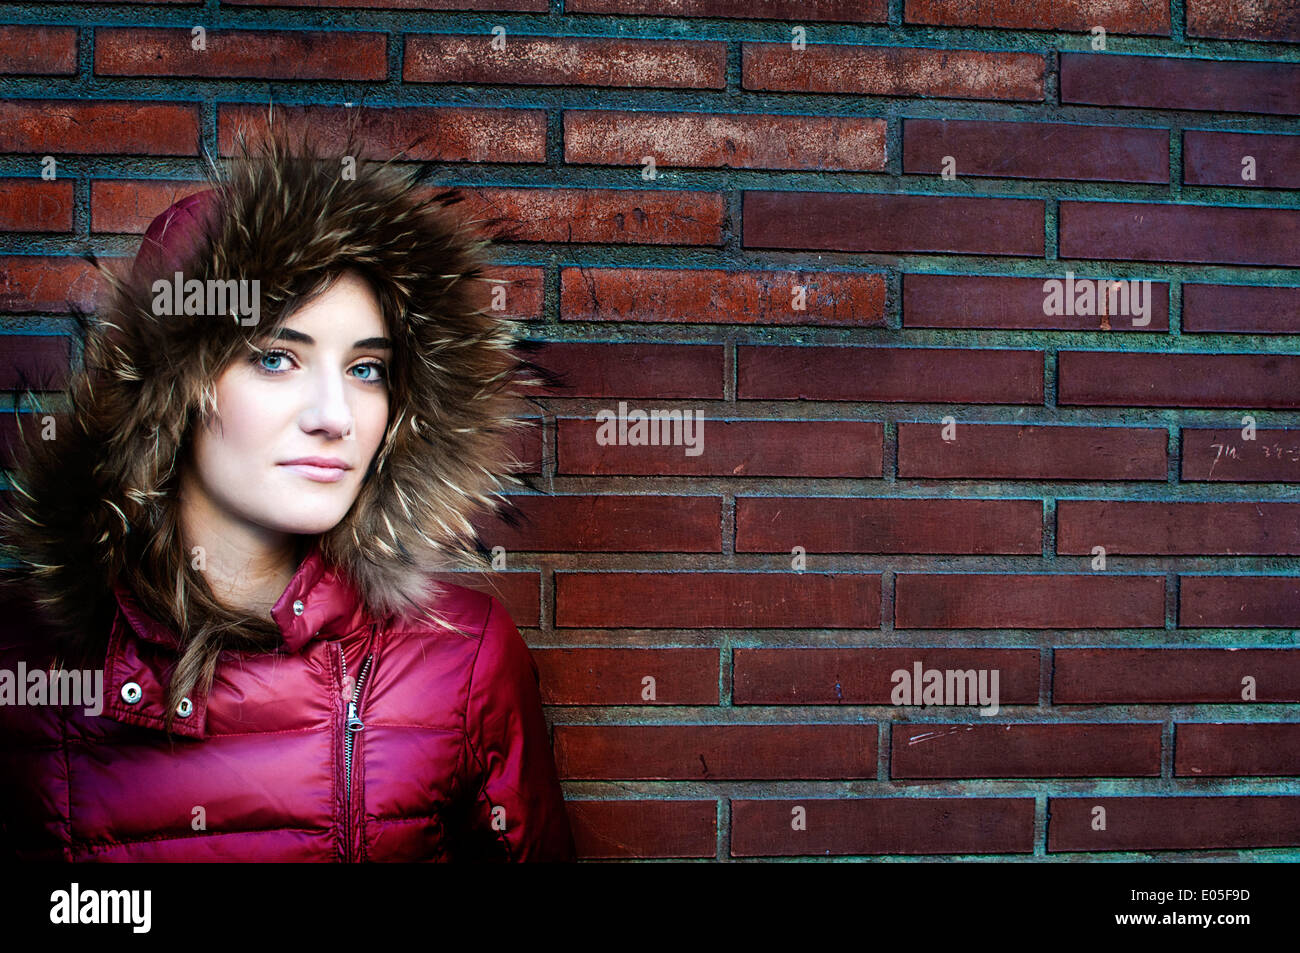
(468, 610)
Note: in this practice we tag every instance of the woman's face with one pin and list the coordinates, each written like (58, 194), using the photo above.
(318, 390)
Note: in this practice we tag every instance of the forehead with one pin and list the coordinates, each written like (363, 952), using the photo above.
(347, 312)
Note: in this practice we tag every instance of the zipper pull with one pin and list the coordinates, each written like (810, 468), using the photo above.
(354, 722)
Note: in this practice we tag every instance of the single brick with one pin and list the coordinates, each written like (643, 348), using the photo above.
(650, 371)
(38, 50)
(1250, 160)
(856, 221)
(41, 283)
(1212, 602)
(892, 71)
(714, 295)
(1262, 20)
(895, 825)
(1241, 309)
(1115, 16)
(1272, 456)
(1036, 150)
(717, 600)
(1168, 82)
(927, 750)
(1031, 452)
(415, 133)
(643, 828)
(1108, 378)
(911, 374)
(1191, 233)
(715, 752)
(1175, 676)
(726, 140)
(1007, 601)
(1172, 823)
(99, 128)
(564, 61)
(611, 216)
(835, 11)
(888, 525)
(129, 206)
(618, 676)
(241, 54)
(996, 301)
(731, 448)
(608, 523)
(854, 676)
(1233, 750)
(1167, 528)
(35, 205)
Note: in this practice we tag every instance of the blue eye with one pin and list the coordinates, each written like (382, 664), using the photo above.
(377, 367)
(270, 355)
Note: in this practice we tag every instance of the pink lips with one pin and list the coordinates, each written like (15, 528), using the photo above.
(319, 469)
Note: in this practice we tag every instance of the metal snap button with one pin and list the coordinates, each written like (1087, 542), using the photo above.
(185, 708)
(131, 693)
(297, 607)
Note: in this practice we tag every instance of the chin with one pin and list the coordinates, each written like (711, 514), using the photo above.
(311, 521)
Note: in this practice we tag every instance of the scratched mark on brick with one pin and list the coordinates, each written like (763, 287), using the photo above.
(931, 735)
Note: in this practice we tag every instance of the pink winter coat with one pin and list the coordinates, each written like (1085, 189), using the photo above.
(352, 742)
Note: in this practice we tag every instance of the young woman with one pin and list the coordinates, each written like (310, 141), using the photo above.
(235, 528)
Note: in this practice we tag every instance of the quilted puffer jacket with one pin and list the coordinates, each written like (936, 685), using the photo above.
(354, 742)
(369, 716)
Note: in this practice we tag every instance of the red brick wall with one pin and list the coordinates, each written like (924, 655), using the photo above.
(816, 177)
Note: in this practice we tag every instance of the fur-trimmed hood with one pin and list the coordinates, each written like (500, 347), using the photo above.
(88, 504)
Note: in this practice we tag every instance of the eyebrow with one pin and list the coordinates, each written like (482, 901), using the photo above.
(289, 334)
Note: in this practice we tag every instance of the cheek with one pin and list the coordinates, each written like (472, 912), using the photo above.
(246, 413)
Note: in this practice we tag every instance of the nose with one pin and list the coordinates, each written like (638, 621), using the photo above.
(328, 411)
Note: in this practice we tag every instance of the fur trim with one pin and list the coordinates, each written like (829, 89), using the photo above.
(87, 503)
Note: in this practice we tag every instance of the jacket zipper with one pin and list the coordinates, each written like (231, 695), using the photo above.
(352, 724)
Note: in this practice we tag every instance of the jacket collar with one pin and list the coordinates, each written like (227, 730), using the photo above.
(318, 603)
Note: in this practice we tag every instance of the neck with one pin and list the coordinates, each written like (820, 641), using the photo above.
(247, 567)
